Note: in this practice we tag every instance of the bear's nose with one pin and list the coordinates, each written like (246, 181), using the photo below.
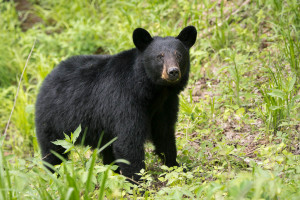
(173, 73)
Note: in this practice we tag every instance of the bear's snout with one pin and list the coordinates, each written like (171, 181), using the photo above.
(173, 73)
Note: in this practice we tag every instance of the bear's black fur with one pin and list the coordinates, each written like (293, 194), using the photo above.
(132, 95)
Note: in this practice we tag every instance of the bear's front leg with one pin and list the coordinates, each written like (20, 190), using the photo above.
(163, 131)
(163, 138)
(131, 133)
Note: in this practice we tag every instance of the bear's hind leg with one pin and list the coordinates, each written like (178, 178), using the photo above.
(108, 157)
(131, 132)
(47, 147)
(52, 159)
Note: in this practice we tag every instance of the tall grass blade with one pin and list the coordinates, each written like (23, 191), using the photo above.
(90, 173)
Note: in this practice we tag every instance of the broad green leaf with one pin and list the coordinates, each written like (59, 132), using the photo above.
(69, 149)
(275, 107)
(76, 134)
(292, 83)
(240, 111)
(177, 194)
(29, 108)
(65, 144)
(164, 167)
(277, 93)
(284, 124)
(185, 106)
(295, 98)
(67, 138)
(289, 123)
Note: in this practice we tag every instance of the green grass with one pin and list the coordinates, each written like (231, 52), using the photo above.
(238, 129)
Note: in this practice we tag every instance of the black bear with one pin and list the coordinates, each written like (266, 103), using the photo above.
(132, 95)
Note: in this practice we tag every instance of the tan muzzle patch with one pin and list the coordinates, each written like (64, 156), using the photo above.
(166, 76)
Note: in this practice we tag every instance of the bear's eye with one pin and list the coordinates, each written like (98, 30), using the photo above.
(178, 55)
(160, 56)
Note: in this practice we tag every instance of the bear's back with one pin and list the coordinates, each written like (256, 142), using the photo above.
(78, 67)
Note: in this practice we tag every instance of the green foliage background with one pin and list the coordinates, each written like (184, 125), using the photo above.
(238, 130)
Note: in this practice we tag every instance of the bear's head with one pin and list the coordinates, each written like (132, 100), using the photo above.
(166, 60)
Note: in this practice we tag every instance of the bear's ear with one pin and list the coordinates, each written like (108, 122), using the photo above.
(141, 38)
(188, 36)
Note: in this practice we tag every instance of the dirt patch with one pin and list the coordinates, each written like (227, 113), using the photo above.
(200, 88)
(100, 50)
(235, 130)
(26, 14)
